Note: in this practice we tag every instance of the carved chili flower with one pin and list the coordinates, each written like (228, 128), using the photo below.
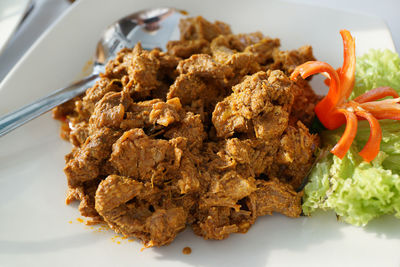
(335, 109)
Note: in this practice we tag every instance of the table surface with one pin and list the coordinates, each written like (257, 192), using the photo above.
(46, 12)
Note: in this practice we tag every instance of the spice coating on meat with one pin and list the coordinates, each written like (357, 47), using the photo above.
(125, 204)
(259, 106)
(210, 134)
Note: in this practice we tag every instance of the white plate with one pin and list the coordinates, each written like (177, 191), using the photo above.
(11, 14)
(35, 226)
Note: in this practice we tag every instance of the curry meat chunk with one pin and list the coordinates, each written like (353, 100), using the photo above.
(287, 61)
(274, 196)
(133, 208)
(196, 35)
(137, 155)
(85, 163)
(304, 103)
(290, 165)
(210, 134)
(259, 106)
(201, 84)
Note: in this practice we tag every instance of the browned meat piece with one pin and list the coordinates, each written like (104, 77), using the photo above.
(287, 61)
(154, 160)
(74, 126)
(263, 50)
(79, 132)
(85, 194)
(248, 157)
(240, 63)
(142, 68)
(191, 128)
(196, 35)
(189, 88)
(257, 45)
(188, 183)
(83, 164)
(252, 157)
(152, 114)
(168, 63)
(116, 68)
(199, 28)
(186, 48)
(110, 110)
(274, 196)
(259, 105)
(243, 53)
(233, 202)
(304, 103)
(86, 107)
(138, 115)
(203, 66)
(241, 41)
(219, 222)
(198, 95)
(130, 207)
(197, 136)
(227, 190)
(165, 113)
(164, 225)
(136, 155)
(292, 166)
(61, 112)
(222, 210)
(166, 74)
(185, 172)
(202, 83)
(159, 93)
(140, 71)
(115, 190)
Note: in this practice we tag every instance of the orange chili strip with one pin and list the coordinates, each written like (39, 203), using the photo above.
(327, 81)
(384, 109)
(348, 69)
(314, 67)
(372, 147)
(376, 94)
(335, 104)
(341, 148)
(325, 107)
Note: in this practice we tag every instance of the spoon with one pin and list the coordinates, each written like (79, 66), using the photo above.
(152, 27)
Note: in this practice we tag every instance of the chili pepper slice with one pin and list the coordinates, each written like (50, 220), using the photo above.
(375, 94)
(341, 148)
(371, 148)
(335, 104)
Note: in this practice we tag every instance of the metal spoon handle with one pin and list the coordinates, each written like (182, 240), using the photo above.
(21, 116)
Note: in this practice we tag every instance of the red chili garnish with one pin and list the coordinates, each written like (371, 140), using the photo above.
(335, 109)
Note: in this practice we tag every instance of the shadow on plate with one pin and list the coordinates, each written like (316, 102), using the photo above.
(385, 227)
(270, 233)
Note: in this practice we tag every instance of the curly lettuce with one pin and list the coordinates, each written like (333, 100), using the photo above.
(375, 69)
(358, 191)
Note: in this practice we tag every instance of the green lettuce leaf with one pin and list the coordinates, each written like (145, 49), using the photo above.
(358, 191)
(375, 69)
